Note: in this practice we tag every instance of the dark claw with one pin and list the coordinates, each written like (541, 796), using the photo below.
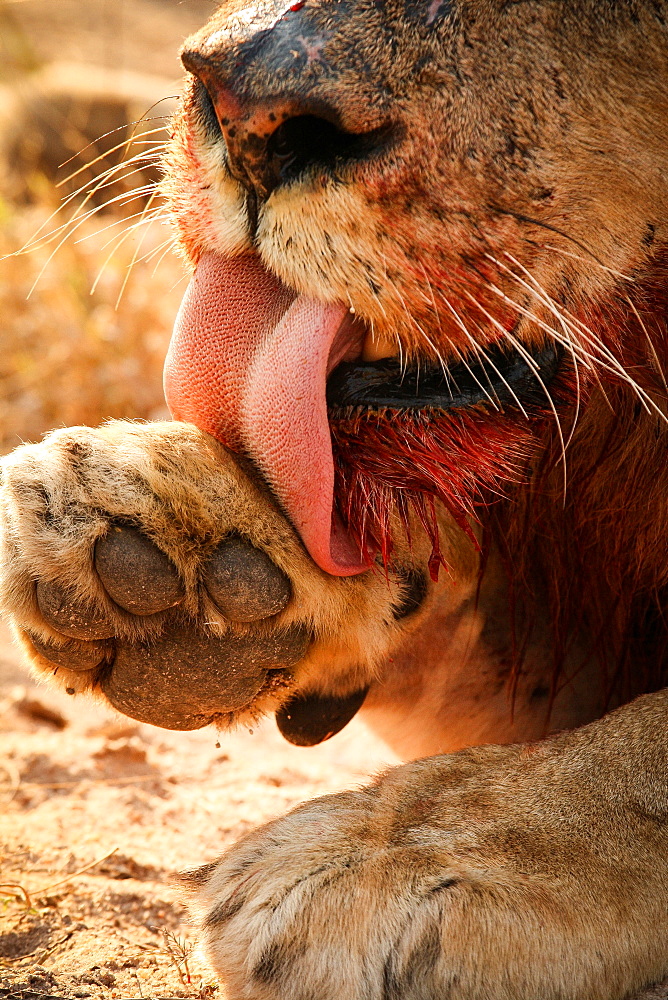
(310, 719)
(135, 573)
(244, 583)
(184, 678)
(73, 655)
(69, 615)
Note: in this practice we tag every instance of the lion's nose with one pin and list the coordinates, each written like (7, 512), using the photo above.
(274, 139)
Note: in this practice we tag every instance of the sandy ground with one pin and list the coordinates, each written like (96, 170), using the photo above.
(96, 813)
(78, 783)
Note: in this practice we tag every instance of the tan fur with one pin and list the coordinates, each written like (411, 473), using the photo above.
(182, 489)
(529, 182)
(463, 880)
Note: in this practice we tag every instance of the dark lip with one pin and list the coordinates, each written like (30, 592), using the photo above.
(504, 379)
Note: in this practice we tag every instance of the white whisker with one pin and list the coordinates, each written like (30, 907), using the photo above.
(127, 143)
(611, 363)
(136, 251)
(168, 245)
(478, 351)
(589, 261)
(120, 128)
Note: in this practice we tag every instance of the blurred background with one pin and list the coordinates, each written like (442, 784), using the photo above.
(88, 283)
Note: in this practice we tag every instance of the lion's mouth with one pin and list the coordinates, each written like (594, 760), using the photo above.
(499, 378)
(279, 377)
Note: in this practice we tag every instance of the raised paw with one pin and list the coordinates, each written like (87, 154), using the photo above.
(141, 562)
(184, 676)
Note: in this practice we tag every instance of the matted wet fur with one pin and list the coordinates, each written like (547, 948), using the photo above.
(486, 178)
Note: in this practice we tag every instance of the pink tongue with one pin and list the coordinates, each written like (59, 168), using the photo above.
(248, 364)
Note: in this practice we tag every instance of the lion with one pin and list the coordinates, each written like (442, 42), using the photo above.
(417, 470)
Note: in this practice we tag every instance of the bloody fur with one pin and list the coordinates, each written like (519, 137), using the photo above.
(406, 460)
(585, 541)
(467, 458)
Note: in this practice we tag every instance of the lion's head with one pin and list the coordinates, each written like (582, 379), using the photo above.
(429, 242)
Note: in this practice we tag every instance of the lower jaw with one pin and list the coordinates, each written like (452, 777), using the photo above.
(400, 465)
(405, 438)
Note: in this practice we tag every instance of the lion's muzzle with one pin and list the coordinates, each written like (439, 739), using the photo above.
(284, 99)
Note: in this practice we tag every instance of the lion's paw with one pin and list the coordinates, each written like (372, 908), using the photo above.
(142, 562)
(462, 877)
(212, 674)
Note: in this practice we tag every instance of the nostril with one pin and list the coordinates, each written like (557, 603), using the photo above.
(207, 111)
(275, 141)
(306, 140)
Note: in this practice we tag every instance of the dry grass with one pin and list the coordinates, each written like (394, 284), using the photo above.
(72, 350)
(69, 353)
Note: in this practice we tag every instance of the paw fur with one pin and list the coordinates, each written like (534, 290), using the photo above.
(140, 562)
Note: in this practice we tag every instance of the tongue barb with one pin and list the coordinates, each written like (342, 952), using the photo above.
(248, 364)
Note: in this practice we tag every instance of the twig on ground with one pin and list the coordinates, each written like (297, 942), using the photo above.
(20, 892)
(62, 881)
(121, 780)
(16, 890)
(141, 995)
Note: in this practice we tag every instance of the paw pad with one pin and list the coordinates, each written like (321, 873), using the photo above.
(307, 720)
(185, 677)
(69, 615)
(244, 583)
(73, 655)
(135, 573)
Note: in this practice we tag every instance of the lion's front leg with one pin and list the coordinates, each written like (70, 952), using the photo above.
(498, 873)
